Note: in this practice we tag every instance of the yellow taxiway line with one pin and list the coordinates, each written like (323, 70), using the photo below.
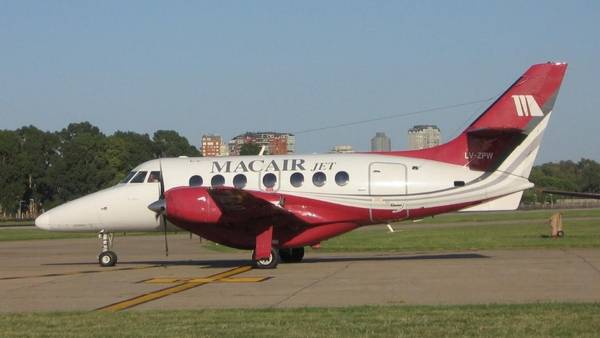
(184, 285)
(167, 280)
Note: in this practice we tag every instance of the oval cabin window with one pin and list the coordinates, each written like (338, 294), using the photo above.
(239, 181)
(296, 180)
(269, 180)
(195, 181)
(342, 178)
(319, 179)
(217, 181)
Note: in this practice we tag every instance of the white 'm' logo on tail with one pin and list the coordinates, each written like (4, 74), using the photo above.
(526, 106)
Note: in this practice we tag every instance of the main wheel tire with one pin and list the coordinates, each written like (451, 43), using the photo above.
(560, 233)
(291, 255)
(270, 263)
(107, 258)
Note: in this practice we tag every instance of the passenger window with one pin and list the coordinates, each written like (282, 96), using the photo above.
(296, 180)
(128, 177)
(269, 180)
(217, 181)
(239, 181)
(195, 181)
(154, 177)
(139, 178)
(342, 178)
(319, 178)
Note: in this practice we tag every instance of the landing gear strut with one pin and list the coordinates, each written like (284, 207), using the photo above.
(106, 257)
(291, 255)
(264, 256)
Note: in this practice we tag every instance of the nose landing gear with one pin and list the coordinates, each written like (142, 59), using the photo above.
(106, 257)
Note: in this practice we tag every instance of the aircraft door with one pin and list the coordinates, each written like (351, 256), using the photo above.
(387, 187)
(387, 179)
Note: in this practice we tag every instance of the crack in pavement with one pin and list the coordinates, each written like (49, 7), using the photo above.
(583, 259)
(295, 293)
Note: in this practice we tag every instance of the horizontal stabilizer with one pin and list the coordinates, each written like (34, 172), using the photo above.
(508, 202)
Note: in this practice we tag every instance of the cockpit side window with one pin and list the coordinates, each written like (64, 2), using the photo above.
(128, 177)
(154, 177)
(139, 178)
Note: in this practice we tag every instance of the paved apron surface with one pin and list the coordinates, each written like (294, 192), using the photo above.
(63, 275)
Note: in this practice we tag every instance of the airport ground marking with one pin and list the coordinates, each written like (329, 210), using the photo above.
(84, 272)
(180, 285)
(167, 280)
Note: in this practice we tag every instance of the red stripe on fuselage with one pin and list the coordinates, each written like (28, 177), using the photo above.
(243, 236)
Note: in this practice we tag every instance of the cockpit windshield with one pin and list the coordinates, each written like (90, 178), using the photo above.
(139, 178)
(154, 177)
(128, 177)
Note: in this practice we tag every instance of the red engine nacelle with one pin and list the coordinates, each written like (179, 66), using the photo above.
(192, 205)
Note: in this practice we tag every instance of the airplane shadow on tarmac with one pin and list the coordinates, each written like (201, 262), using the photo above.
(228, 263)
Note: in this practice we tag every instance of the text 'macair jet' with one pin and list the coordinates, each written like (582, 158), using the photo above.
(277, 205)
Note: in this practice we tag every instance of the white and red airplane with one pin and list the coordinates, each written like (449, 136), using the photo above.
(277, 205)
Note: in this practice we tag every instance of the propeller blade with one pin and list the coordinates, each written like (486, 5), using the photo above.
(163, 219)
(161, 181)
(159, 206)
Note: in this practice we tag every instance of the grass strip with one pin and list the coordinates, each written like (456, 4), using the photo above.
(579, 234)
(515, 320)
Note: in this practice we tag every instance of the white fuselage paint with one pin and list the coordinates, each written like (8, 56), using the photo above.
(376, 181)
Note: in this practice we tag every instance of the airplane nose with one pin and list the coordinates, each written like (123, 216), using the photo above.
(43, 221)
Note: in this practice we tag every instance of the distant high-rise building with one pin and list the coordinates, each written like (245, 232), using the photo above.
(342, 149)
(275, 143)
(224, 150)
(381, 142)
(424, 136)
(211, 145)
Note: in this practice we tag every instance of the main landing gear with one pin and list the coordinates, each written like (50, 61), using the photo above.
(106, 257)
(266, 263)
(291, 255)
(266, 257)
(287, 255)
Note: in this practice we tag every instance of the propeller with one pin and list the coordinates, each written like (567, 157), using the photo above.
(159, 206)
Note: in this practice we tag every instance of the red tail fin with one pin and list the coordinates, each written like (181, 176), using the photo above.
(505, 124)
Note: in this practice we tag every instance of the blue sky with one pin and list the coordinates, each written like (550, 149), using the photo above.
(227, 67)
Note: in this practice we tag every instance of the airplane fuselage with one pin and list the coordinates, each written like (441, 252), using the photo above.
(352, 188)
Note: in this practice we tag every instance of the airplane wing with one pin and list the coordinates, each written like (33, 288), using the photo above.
(241, 205)
(573, 193)
(237, 207)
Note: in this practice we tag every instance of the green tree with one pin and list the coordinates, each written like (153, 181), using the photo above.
(10, 176)
(38, 153)
(168, 143)
(125, 150)
(83, 166)
(589, 176)
(250, 149)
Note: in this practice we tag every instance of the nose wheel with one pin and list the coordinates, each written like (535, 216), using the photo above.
(106, 256)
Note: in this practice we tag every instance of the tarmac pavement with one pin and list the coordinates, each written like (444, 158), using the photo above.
(63, 275)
